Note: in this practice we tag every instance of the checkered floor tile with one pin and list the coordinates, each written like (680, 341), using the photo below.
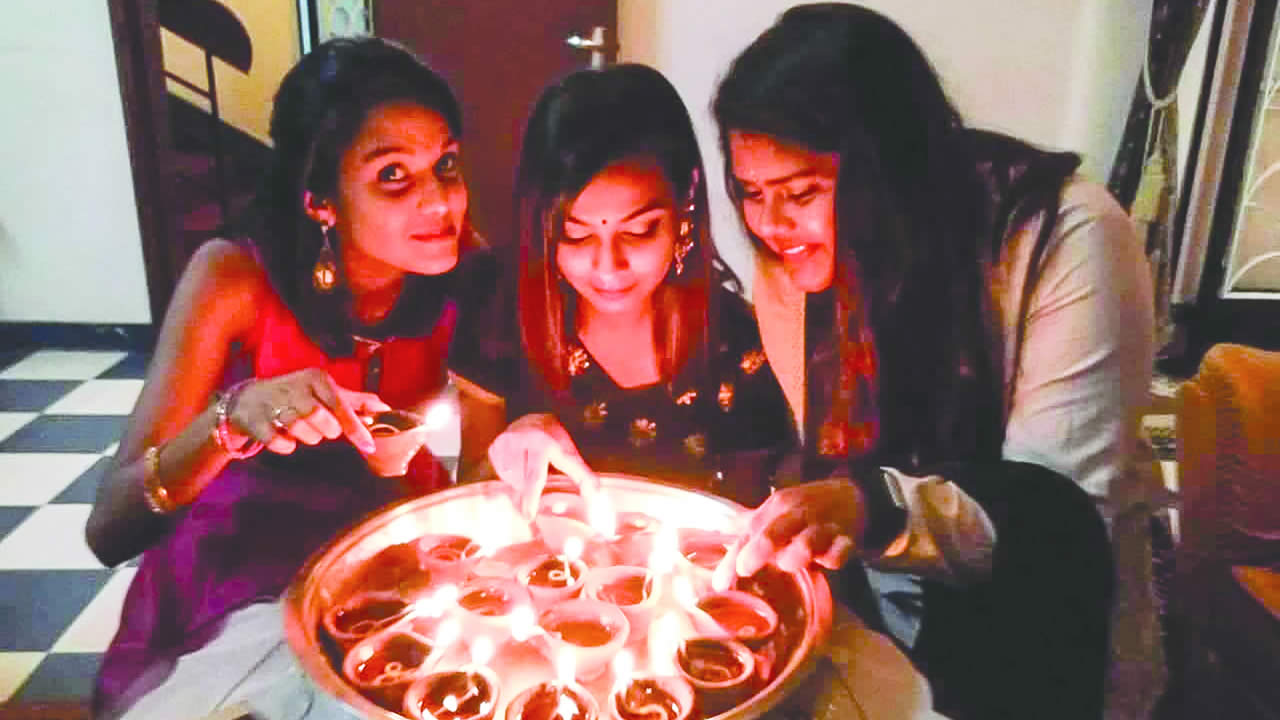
(61, 413)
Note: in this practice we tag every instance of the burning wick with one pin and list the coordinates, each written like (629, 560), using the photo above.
(601, 515)
(524, 623)
(573, 548)
(438, 602)
(439, 415)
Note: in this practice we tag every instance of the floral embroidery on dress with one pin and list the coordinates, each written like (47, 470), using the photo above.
(696, 445)
(752, 360)
(643, 432)
(578, 360)
(725, 396)
(687, 397)
(593, 414)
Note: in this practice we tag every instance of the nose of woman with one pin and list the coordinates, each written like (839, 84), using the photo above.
(433, 200)
(773, 221)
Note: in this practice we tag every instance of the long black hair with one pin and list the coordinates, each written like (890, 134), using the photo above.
(319, 108)
(579, 126)
(915, 222)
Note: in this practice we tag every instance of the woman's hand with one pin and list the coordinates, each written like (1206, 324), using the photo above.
(306, 407)
(522, 454)
(816, 522)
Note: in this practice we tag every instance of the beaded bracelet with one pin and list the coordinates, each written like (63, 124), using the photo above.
(154, 492)
(222, 427)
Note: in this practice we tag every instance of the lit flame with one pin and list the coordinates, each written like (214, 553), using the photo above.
(438, 602)
(566, 666)
(664, 642)
(624, 664)
(448, 633)
(682, 589)
(481, 651)
(666, 548)
(439, 415)
(601, 515)
(573, 548)
(524, 623)
(567, 708)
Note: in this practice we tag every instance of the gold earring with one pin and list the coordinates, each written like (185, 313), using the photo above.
(685, 244)
(324, 274)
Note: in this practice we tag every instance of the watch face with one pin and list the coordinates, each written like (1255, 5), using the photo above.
(343, 18)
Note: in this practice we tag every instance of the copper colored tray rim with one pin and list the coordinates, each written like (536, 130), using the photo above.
(306, 596)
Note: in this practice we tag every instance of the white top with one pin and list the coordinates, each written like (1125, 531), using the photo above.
(1086, 367)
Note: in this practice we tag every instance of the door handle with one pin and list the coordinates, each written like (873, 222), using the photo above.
(595, 44)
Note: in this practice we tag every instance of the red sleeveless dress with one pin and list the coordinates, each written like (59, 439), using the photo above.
(253, 527)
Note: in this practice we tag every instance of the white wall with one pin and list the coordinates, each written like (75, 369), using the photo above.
(70, 250)
(1056, 72)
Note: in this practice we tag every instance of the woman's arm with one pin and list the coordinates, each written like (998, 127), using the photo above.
(213, 305)
(483, 415)
(1088, 351)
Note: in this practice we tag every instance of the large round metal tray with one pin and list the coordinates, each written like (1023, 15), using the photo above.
(326, 578)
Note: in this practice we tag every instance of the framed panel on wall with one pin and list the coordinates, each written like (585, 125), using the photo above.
(320, 20)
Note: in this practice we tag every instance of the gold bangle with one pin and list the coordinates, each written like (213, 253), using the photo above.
(154, 492)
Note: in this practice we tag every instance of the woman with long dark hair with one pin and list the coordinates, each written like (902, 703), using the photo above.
(635, 353)
(963, 330)
(337, 297)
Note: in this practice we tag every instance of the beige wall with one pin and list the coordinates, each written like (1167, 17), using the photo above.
(245, 100)
(69, 243)
(1056, 72)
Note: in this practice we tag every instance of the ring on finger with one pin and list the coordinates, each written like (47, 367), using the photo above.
(277, 420)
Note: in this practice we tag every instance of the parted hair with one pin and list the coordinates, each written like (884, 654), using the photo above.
(916, 229)
(579, 126)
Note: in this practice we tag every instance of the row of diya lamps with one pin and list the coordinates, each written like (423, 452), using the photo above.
(428, 655)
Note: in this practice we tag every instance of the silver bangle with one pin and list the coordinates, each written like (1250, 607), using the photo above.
(222, 425)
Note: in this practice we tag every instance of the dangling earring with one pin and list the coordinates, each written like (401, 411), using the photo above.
(685, 243)
(324, 274)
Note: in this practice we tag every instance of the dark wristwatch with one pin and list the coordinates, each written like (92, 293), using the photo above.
(886, 507)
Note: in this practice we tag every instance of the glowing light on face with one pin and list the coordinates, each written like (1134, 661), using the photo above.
(619, 239)
(786, 195)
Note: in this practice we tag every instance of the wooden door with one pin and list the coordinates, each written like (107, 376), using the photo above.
(498, 55)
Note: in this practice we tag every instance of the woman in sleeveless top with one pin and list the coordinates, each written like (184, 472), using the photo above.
(336, 299)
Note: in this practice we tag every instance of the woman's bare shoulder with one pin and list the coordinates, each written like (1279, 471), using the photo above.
(224, 280)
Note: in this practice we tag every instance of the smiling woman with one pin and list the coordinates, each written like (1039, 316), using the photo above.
(636, 356)
(336, 299)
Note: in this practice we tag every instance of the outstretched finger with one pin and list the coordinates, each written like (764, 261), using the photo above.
(329, 395)
(764, 544)
(535, 480)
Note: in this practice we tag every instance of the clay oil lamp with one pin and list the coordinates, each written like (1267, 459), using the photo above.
(397, 437)
(564, 505)
(591, 632)
(648, 697)
(743, 616)
(701, 552)
(561, 699)
(634, 537)
(552, 578)
(721, 671)
(485, 605)
(449, 558)
(632, 589)
(470, 692)
(363, 614)
(382, 666)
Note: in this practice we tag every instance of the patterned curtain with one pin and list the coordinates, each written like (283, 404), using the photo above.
(1145, 174)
